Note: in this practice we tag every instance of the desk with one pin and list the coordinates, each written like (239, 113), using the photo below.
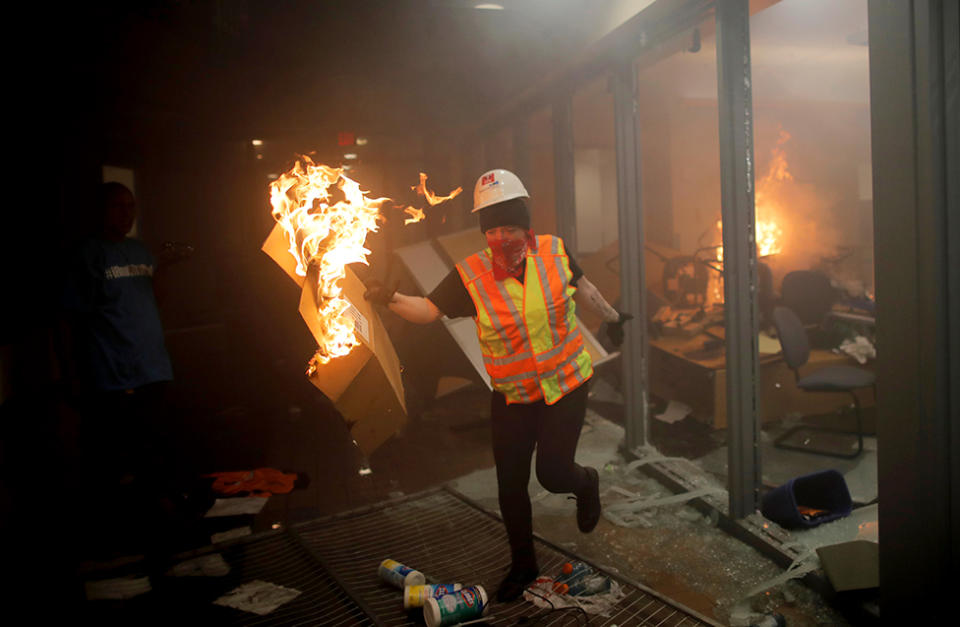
(700, 381)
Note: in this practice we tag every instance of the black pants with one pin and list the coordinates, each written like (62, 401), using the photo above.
(554, 431)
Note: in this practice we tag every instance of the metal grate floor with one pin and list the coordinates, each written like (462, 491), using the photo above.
(333, 563)
(451, 540)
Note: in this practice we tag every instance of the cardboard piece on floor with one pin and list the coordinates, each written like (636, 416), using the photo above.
(258, 597)
(365, 385)
(231, 534)
(853, 565)
(238, 506)
(117, 589)
(204, 566)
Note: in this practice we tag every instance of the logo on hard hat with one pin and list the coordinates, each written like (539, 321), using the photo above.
(488, 179)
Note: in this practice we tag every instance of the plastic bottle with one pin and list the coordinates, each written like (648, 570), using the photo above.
(771, 620)
(462, 606)
(578, 579)
(396, 574)
(591, 584)
(416, 596)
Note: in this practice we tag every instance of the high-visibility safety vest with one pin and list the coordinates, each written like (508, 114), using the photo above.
(532, 346)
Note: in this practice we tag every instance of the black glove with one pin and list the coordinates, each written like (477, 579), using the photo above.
(615, 329)
(378, 294)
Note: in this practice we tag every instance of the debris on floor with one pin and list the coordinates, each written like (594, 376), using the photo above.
(203, 566)
(230, 534)
(543, 593)
(860, 348)
(675, 412)
(259, 482)
(236, 506)
(117, 588)
(258, 597)
(672, 542)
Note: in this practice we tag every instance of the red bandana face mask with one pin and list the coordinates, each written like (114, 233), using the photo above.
(510, 254)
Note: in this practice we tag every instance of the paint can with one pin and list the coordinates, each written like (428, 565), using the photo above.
(416, 596)
(461, 606)
(396, 574)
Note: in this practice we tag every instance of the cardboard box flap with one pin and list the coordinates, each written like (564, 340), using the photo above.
(373, 412)
(853, 565)
(277, 247)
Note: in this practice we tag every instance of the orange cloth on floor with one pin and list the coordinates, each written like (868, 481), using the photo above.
(259, 482)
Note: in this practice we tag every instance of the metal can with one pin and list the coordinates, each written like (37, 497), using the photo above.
(396, 574)
(461, 606)
(416, 596)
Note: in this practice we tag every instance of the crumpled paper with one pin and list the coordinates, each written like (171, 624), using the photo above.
(541, 594)
(259, 597)
(860, 348)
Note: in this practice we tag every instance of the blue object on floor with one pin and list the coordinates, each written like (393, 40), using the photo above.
(825, 490)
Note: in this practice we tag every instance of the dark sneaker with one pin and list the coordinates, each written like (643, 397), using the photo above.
(515, 583)
(588, 505)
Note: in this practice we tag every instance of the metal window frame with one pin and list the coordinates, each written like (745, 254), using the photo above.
(741, 313)
(633, 287)
(914, 87)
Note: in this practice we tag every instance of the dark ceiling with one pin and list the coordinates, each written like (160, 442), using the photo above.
(245, 68)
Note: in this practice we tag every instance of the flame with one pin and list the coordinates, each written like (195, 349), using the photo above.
(768, 238)
(767, 207)
(766, 203)
(328, 235)
(432, 198)
(416, 215)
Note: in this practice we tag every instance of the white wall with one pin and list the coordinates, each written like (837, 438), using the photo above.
(595, 180)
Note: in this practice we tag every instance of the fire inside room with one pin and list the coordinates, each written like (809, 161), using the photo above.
(404, 312)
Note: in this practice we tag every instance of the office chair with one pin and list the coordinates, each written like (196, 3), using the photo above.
(809, 294)
(847, 379)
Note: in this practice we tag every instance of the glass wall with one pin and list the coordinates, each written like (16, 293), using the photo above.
(680, 198)
(595, 168)
(595, 196)
(814, 211)
(539, 177)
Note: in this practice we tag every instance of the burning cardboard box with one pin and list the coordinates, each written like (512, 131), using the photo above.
(365, 384)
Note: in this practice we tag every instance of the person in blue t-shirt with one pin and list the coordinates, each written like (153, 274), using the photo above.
(122, 336)
(121, 360)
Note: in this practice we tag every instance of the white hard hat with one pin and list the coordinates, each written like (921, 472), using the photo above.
(497, 186)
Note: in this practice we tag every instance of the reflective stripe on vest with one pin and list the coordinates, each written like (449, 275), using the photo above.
(531, 344)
